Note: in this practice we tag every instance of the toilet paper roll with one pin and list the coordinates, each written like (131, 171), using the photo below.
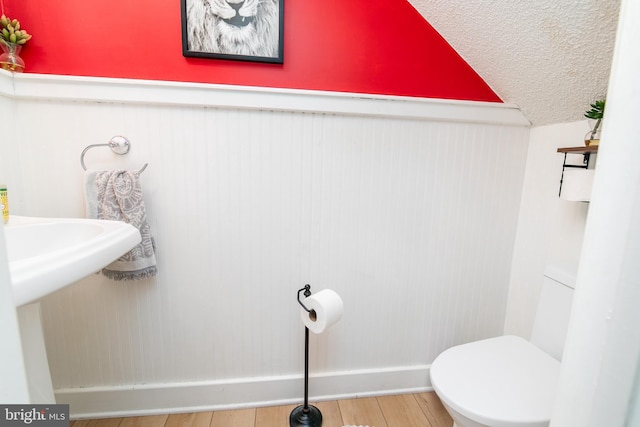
(326, 309)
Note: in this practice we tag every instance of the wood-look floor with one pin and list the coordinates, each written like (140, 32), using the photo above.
(404, 410)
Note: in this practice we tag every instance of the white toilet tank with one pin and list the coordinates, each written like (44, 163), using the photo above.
(554, 309)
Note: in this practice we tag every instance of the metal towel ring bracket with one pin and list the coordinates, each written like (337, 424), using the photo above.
(118, 144)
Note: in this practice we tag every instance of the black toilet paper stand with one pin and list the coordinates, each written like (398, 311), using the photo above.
(306, 415)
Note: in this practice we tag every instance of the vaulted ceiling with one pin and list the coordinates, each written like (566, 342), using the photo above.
(551, 58)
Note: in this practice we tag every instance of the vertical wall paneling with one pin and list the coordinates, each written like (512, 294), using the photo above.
(412, 221)
(10, 154)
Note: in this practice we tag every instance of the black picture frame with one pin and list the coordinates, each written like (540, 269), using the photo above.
(207, 34)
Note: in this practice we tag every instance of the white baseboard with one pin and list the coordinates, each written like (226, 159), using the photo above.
(147, 399)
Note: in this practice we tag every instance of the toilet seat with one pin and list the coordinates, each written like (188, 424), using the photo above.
(500, 382)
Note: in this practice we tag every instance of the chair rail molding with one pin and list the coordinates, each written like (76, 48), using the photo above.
(98, 89)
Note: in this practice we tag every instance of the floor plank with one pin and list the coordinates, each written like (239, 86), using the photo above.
(236, 418)
(147, 421)
(194, 419)
(363, 411)
(105, 422)
(274, 416)
(408, 410)
(402, 411)
(330, 413)
(433, 408)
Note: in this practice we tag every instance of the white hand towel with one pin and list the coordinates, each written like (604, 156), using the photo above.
(117, 195)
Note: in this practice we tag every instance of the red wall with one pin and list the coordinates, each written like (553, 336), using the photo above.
(362, 46)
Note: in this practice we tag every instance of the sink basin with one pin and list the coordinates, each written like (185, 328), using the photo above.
(46, 254)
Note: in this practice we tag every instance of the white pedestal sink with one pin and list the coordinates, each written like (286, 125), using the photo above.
(45, 255)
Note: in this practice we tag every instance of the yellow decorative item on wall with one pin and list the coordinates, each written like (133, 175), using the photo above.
(4, 203)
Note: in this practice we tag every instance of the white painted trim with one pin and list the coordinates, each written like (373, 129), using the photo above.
(97, 89)
(136, 400)
(6, 83)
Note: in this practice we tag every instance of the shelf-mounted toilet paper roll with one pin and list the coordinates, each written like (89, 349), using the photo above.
(318, 313)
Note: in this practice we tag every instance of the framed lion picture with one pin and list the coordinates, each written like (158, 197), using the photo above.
(241, 30)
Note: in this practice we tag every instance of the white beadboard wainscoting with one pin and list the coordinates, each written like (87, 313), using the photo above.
(406, 207)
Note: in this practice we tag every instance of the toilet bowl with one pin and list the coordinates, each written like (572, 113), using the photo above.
(508, 381)
(498, 382)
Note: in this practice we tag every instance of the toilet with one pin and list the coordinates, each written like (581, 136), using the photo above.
(508, 381)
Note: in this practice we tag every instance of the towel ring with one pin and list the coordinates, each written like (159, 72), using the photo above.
(118, 144)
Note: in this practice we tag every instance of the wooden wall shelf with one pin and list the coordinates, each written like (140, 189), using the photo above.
(579, 150)
(586, 152)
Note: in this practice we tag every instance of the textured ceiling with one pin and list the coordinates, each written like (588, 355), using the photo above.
(550, 57)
